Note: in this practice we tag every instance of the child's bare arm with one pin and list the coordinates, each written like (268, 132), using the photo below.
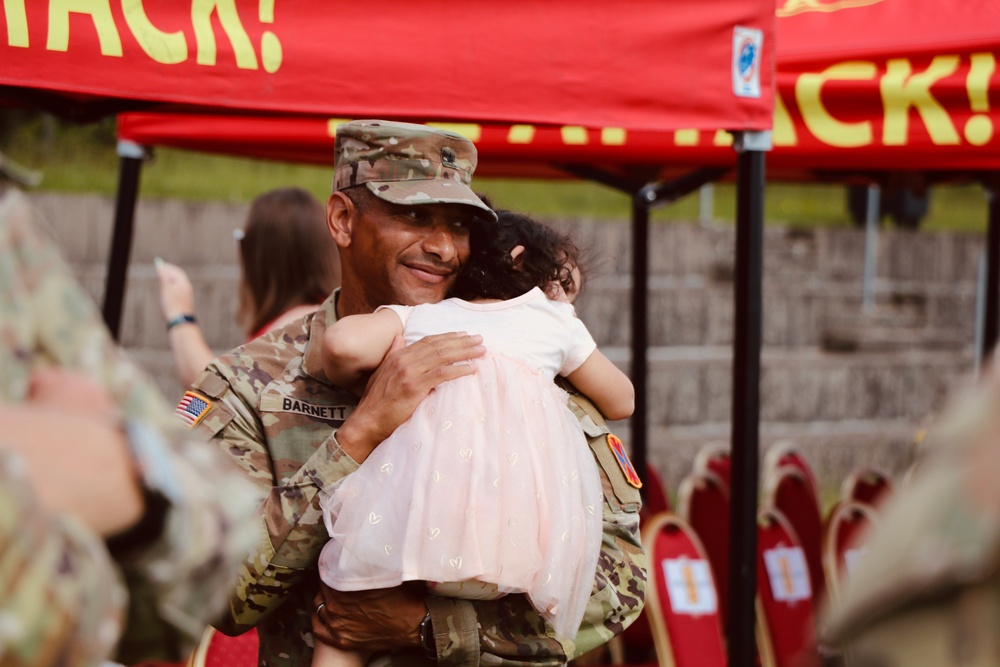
(609, 389)
(356, 344)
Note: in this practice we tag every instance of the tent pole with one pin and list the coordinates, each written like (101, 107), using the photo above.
(991, 326)
(643, 199)
(640, 328)
(131, 156)
(746, 398)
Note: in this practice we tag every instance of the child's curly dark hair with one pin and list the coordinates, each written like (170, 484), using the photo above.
(490, 273)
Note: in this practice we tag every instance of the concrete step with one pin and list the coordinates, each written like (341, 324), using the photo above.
(693, 385)
(215, 289)
(200, 233)
(186, 233)
(886, 339)
(683, 311)
(887, 314)
(899, 322)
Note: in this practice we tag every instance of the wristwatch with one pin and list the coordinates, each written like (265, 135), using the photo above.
(426, 630)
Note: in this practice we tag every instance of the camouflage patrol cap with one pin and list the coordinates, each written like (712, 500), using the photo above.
(405, 163)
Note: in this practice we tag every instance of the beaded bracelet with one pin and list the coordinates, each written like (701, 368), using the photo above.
(181, 319)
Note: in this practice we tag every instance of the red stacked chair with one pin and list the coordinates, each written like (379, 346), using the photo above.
(843, 541)
(655, 496)
(785, 613)
(866, 485)
(714, 457)
(703, 502)
(790, 487)
(218, 650)
(785, 453)
(681, 599)
(635, 645)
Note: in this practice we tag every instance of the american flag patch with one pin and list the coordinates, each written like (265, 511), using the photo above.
(192, 408)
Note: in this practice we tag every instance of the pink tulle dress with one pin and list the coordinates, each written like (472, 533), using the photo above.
(490, 487)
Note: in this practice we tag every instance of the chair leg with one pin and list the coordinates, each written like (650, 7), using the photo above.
(616, 650)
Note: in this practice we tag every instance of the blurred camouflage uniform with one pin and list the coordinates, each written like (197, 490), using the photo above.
(273, 409)
(71, 607)
(60, 588)
(927, 591)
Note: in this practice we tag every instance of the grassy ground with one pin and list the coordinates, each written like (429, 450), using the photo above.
(83, 159)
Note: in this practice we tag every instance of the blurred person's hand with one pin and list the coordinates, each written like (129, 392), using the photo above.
(75, 450)
(71, 390)
(176, 293)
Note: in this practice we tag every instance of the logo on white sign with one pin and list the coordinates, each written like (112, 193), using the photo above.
(689, 583)
(747, 57)
(788, 574)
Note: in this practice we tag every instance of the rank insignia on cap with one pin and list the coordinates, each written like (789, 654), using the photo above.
(192, 408)
(618, 449)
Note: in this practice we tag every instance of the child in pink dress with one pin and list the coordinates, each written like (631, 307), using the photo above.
(490, 487)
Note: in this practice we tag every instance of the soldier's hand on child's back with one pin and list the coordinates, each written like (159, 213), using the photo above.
(405, 377)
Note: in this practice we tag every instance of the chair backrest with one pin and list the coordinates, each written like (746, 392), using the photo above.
(218, 650)
(638, 637)
(869, 486)
(844, 538)
(714, 457)
(788, 490)
(785, 613)
(785, 453)
(703, 502)
(681, 599)
(655, 499)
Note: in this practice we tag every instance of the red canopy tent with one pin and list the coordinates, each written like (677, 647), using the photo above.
(651, 65)
(526, 62)
(862, 85)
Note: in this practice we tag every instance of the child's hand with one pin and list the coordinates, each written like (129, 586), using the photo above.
(176, 293)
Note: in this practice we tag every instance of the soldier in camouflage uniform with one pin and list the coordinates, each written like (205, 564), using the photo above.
(67, 596)
(398, 211)
(927, 590)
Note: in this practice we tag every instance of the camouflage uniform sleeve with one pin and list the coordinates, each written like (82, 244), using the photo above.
(290, 521)
(509, 632)
(62, 598)
(208, 524)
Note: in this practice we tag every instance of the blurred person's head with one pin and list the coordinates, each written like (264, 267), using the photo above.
(287, 257)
